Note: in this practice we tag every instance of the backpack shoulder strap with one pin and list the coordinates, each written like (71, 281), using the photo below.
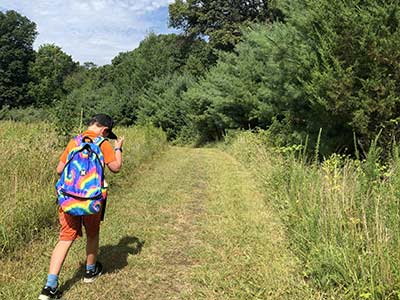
(99, 140)
(78, 141)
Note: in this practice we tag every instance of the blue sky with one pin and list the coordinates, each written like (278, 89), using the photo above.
(93, 30)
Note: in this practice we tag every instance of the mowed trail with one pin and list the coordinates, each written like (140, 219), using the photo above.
(191, 224)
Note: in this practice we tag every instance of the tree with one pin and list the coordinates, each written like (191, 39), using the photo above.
(48, 72)
(163, 106)
(89, 65)
(156, 57)
(354, 86)
(220, 20)
(330, 65)
(85, 101)
(17, 34)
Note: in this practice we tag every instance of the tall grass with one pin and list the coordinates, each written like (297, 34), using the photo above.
(27, 167)
(30, 153)
(342, 216)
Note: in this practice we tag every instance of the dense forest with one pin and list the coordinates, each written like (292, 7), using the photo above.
(304, 71)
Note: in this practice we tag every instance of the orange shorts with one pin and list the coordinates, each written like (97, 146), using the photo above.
(71, 226)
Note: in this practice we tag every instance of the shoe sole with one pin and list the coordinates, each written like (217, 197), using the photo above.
(44, 297)
(90, 280)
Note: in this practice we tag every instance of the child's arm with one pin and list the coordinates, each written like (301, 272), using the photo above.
(115, 165)
(60, 167)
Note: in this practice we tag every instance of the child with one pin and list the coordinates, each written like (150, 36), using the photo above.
(71, 226)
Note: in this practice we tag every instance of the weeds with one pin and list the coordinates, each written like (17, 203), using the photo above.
(27, 167)
(342, 215)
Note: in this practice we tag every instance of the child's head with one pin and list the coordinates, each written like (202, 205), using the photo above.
(102, 124)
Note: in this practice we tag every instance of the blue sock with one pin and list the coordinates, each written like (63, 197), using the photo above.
(90, 267)
(52, 281)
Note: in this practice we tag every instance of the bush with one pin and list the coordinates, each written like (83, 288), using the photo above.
(28, 114)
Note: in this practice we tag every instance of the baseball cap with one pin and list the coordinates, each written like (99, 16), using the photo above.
(106, 121)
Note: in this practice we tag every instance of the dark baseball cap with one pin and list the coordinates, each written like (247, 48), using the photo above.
(106, 121)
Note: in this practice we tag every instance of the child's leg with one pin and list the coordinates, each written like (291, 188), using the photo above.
(92, 248)
(70, 230)
(93, 267)
(59, 254)
(92, 226)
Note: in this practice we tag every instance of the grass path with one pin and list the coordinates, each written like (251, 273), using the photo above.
(189, 225)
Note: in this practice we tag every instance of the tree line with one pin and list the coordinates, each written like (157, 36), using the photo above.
(302, 70)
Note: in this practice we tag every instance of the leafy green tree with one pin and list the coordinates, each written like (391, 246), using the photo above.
(220, 20)
(354, 84)
(253, 87)
(48, 72)
(90, 90)
(349, 84)
(330, 65)
(163, 106)
(84, 102)
(17, 34)
(156, 57)
(89, 75)
(224, 98)
(89, 65)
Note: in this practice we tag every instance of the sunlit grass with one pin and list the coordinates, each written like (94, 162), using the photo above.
(342, 216)
(29, 156)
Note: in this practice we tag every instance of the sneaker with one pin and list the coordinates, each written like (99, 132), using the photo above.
(49, 293)
(91, 276)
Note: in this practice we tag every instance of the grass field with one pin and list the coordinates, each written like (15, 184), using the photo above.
(249, 222)
(188, 225)
(30, 154)
(342, 216)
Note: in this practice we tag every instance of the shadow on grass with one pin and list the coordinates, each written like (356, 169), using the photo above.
(113, 258)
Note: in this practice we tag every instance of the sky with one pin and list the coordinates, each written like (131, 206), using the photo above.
(93, 30)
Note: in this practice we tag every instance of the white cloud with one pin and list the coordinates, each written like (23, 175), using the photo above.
(93, 30)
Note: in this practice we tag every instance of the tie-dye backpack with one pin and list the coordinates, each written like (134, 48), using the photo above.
(80, 188)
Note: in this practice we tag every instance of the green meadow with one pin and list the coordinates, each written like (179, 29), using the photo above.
(341, 215)
(30, 154)
(240, 220)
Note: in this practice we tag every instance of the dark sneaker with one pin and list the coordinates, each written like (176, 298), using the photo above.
(91, 276)
(49, 293)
